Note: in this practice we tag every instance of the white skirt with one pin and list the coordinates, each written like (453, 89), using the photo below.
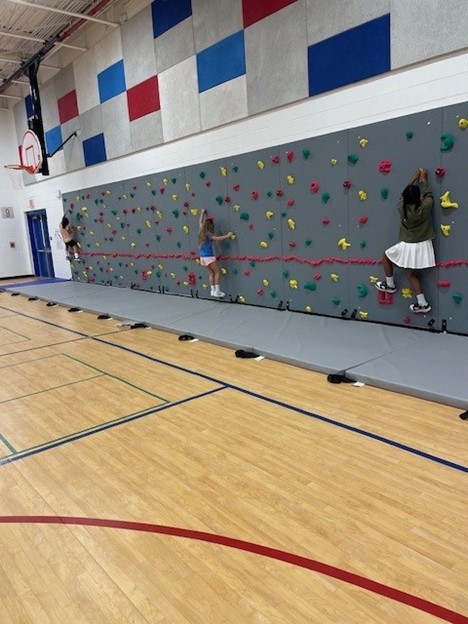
(412, 255)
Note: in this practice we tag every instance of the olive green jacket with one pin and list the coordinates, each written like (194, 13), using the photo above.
(417, 226)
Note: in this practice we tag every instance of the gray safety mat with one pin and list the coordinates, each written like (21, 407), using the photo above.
(431, 366)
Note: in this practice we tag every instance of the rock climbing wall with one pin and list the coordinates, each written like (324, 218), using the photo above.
(311, 220)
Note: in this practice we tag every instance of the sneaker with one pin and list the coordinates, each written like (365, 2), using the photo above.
(218, 294)
(420, 309)
(384, 287)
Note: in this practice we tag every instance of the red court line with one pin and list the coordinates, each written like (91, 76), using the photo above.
(258, 549)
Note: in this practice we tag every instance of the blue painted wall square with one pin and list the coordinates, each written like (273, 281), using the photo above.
(29, 106)
(94, 150)
(350, 56)
(221, 62)
(166, 14)
(111, 81)
(53, 139)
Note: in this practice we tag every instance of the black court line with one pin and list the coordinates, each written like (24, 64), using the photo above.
(103, 427)
(298, 410)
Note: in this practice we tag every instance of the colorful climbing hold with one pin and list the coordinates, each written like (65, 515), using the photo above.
(463, 123)
(457, 297)
(291, 224)
(353, 158)
(448, 142)
(310, 286)
(446, 202)
(363, 314)
(269, 214)
(325, 198)
(362, 290)
(363, 142)
(244, 216)
(314, 187)
(384, 193)
(409, 135)
(362, 195)
(333, 161)
(290, 179)
(407, 293)
(343, 243)
(385, 166)
(260, 164)
(335, 277)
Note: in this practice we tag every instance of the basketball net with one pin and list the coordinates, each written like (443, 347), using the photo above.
(15, 173)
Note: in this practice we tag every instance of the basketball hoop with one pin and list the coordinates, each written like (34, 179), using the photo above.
(16, 174)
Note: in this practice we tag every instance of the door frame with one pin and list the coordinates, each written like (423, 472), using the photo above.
(47, 265)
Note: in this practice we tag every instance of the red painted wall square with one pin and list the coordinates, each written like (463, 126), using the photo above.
(68, 107)
(143, 98)
(254, 11)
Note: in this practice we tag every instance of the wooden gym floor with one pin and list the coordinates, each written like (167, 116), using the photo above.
(146, 480)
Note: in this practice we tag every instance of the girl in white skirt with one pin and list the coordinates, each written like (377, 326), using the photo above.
(415, 249)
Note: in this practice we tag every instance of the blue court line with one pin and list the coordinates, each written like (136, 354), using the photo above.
(109, 425)
(298, 410)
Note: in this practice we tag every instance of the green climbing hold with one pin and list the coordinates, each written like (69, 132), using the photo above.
(252, 263)
(325, 198)
(202, 175)
(269, 193)
(235, 169)
(96, 201)
(153, 192)
(271, 235)
(409, 135)
(158, 273)
(308, 242)
(352, 159)
(310, 286)
(179, 244)
(244, 216)
(158, 237)
(219, 199)
(363, 244)
(174, 180)
(283, 214)
(176, 213)
(336, 301)
(273, 294)
(384, 193)
(457, 297)
(448, 142)
(306, 154)
(235, 271)
(285, 274)
(139, 230)
(362, 290)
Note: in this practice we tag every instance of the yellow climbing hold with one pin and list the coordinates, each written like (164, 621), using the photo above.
(174, 196)
(91, 232)
(335, 277)
(223, 271)
(308, 308)
(123, 237)
(149, 272)
(362, 195)
(290, 179)
(260, 164)
(363, 142)
(186, 229)
(446, 202)
(160, 267)
(223, 171)
(333, 161)
(463, 123)
(269, 214)
(241, 299)
(265, 282)
(233, 236)
(445, 229)
(133, 245)
(236, 207)
(343, 243)
(293, 283)
(407, 293)
(291, 224)
(363, 314)
(373, 279)
(149, 185)
(264, 244)
(194, 211)
(148, 223)
(165, 181)
(188, 186)
(159, 213)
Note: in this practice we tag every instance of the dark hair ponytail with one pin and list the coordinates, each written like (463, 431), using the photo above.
(411, 197)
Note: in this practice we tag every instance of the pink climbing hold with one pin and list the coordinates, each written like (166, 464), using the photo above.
(385, 166)
(363, 219)
(260, 291)
(290, 203)
(384, 298)
(292, 245)
(406, 320)
(254, 195)
(314, 187)
(325, 221)
(227, 199)
(251, 226)
(279, 193)
(444, 283)
(246, 272)
(236, 187)
(161, 190)
(191, 278)
(440, 172)
(347, 184)
(317, 277)
(169, 230)
(290, 156)
(275, 160)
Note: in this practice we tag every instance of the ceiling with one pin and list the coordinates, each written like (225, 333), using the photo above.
(57, 31)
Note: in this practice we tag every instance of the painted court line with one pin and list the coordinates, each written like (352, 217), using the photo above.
(298, 410)
(258, 549)
(103, 427)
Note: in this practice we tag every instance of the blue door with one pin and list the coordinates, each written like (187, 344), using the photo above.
(40, 243)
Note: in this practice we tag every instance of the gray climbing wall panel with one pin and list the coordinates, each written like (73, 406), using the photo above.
(311, 221)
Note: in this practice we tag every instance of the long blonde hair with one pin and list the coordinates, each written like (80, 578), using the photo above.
(208, 226)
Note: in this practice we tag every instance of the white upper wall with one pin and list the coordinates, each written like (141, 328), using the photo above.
(431, 85)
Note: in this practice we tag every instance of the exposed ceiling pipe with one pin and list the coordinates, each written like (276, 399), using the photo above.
(43, 7)
(29, 38)
(59, 38)
(18, 62)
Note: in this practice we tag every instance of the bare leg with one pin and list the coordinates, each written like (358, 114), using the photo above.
(414, 281)
(388, 266)
(211, 275)
(214, 268)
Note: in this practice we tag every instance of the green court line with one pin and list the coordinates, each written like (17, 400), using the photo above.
(8, 445)
(15, 332)
(70, 383)
(156, 396)
(102, 426)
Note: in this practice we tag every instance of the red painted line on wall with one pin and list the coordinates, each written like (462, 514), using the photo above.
(257, 549)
